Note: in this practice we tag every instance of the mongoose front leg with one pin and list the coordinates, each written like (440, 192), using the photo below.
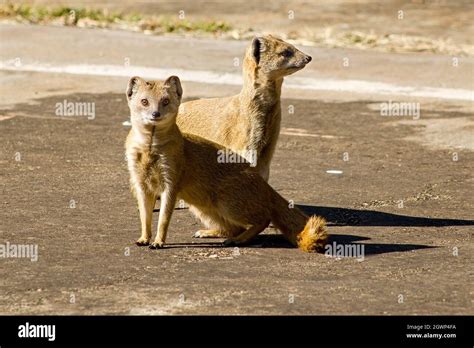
(247, 235)
(210, 234)
(168, 201)
(146, 201)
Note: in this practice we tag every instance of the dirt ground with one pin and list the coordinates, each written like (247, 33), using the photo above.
(83, 250)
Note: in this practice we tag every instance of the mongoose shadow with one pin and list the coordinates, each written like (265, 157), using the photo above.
(349, 217)
(277, 241)
(354, 217)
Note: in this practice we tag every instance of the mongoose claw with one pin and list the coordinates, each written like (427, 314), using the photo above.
(156, 245)
(142, 242)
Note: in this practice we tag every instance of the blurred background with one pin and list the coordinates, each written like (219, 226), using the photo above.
(438, 26)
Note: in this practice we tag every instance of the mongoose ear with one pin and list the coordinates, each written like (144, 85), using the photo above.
(133, 85)
(173, 81)
(257, 48)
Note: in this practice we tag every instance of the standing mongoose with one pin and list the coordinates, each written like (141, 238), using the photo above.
(248, 123)
(231, 199)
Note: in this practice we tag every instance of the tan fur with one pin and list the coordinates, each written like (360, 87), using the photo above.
(229, 198)
(249, 122)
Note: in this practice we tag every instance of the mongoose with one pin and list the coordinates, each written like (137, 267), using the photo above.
(231, 199)
(248, 123)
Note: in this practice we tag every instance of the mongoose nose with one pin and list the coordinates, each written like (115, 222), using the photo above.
(308, 59)
(155, 114)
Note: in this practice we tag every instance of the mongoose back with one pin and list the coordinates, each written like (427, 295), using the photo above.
(231, 199)
(249, 122)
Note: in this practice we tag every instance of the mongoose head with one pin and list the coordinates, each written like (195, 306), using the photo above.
(275, 57)
(154, 103)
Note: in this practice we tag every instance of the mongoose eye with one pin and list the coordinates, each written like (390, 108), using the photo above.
(166, 101)
(144, 102)
(287, 53)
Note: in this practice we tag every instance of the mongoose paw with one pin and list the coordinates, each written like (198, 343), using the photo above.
(142, 242)
(209, 234)
(204, 234)
(156, 245)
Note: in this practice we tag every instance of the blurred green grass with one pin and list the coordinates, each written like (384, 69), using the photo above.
(103, 18)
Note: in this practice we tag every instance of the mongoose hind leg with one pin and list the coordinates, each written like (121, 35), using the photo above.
(216, 225)
(247, 235)
(210, 234)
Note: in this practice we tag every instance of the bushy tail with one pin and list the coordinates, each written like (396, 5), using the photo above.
(314, 236)
(309, 234)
